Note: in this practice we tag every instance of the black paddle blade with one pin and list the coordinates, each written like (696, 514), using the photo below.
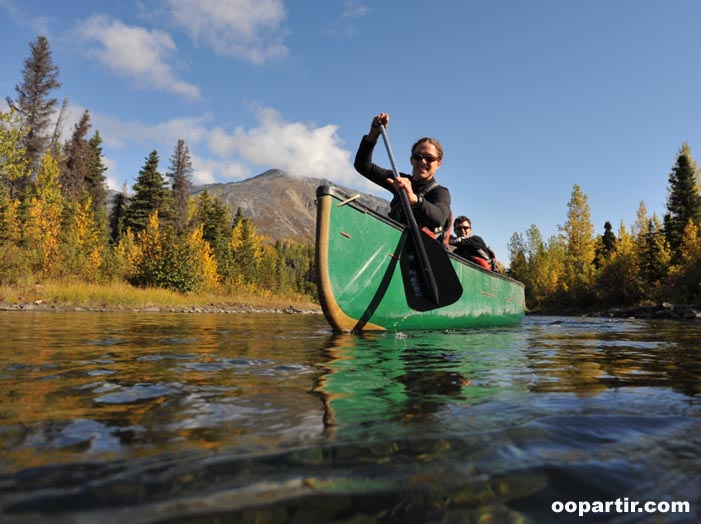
(416, 285)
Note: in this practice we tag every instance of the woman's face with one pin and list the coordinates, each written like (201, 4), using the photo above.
(425, 161)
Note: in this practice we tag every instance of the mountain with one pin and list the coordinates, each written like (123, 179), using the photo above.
(281, 206)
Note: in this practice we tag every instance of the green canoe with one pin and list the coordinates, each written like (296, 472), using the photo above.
(360, 282)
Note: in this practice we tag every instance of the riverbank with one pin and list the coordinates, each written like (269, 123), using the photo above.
(80, 296)
(290, 309)
(664, 311)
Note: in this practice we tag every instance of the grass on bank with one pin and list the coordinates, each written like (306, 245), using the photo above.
(120, 295)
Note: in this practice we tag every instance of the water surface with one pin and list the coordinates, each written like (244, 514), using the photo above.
(150, 417)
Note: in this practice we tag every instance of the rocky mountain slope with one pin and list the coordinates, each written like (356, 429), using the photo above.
(281, 206)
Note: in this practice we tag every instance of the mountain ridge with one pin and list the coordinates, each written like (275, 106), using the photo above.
(281, 206)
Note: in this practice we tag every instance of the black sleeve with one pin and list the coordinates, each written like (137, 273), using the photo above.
(363, 165)
(476, 246)
(435, 210)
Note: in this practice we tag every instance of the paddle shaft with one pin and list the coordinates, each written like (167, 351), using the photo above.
(413, 226)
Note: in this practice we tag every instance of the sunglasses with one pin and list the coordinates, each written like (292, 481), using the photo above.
(464, 227)
(428, 158)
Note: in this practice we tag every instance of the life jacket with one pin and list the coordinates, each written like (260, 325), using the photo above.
(442, 233)
(482, 262)
(475, 249)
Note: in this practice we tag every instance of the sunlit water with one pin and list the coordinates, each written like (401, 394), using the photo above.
(148, 417)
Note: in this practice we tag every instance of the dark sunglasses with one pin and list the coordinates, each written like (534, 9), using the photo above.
(420, 156)
(463, 227)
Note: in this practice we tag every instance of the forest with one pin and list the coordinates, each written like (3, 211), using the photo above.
(57, 222)
(650, 262)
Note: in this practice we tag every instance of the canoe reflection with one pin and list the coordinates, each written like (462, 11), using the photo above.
(398, 383)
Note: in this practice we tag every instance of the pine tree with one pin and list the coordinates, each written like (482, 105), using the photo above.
(654, 253)
(95, 181)
(77, 159)
(606, 244)
(618, 283)
(247, 248)
(180, 173)
(214, 217)
(39, 79)
(683, 199)
(151, 194)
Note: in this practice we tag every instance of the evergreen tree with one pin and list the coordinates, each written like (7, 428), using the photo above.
(39, 79)
(293, 268)
(95, 180)
(213, 215)
(77, 160)
(606, 244)
(180, 173)
(247, 248)
(683, 199)
(618, 282)
(654, 253)
(150, 194)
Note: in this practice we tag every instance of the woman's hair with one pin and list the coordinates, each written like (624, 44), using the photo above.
(430, 140)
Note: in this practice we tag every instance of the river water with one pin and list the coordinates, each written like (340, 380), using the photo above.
(197, 418)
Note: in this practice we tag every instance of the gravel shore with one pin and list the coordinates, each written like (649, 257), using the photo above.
(40, 305)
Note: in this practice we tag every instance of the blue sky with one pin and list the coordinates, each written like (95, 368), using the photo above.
(528, 97)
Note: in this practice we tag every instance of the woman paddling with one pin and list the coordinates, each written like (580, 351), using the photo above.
(430, 202)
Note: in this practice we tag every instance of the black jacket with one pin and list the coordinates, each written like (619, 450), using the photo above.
(433, 213)
(473, 246)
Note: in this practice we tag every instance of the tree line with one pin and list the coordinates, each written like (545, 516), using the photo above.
(652, 261)
(56, 221)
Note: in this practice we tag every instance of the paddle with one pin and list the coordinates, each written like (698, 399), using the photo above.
(432, 281)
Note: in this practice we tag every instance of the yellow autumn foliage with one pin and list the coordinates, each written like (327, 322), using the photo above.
(43, 227)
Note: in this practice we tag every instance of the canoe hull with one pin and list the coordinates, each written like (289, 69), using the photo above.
(360, 283)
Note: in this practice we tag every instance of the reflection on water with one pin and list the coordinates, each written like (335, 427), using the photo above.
(139, 417)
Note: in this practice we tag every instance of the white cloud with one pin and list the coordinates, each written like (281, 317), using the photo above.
(247, 29)
(218, 155)
(209, 170)
(118, 133)
(134, 52)
(299, 149)
(112, 180)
